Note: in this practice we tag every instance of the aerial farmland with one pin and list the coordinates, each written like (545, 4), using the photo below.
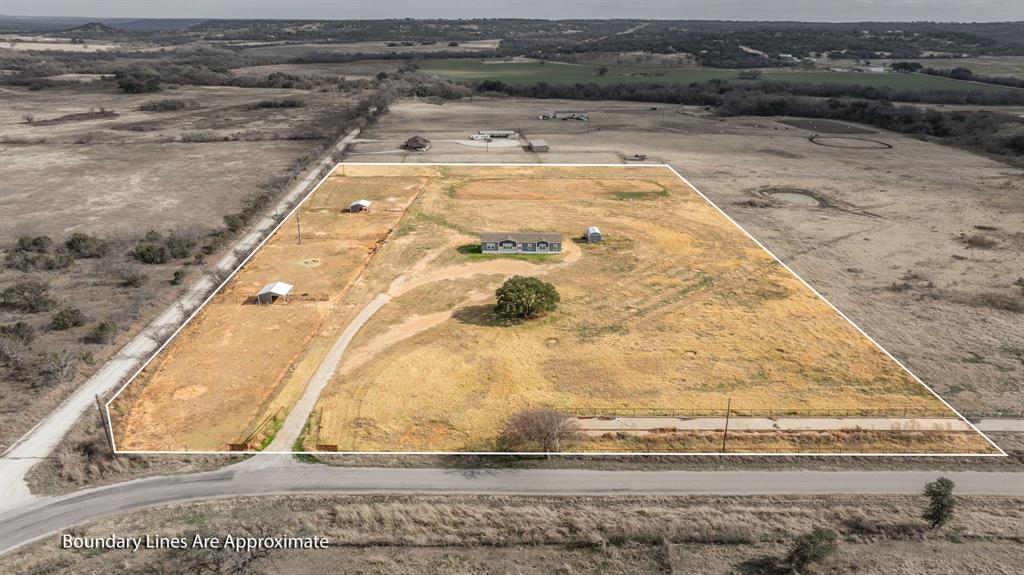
(676, 312)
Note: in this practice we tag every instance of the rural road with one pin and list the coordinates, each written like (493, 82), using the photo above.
(41, 440)
(270, 475)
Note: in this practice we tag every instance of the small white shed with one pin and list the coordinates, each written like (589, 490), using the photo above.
(272, 291)
(593, 235)
(359, 205)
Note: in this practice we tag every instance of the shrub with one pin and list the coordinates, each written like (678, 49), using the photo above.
(27, 295)
(811, 548)
(131, 276)
(82, 245)
(180, 245)
(104, 332)
(37, 244)
(35, 261)
(166, 105)
(525, 298)
(940, 502)
(542, 429)
(137, 83)
(67, 318)
(179, 276)
(149, 253)
(18, 331)
(285, 103)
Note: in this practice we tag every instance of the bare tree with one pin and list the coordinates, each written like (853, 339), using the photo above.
(60, 367)
(540, 429)
(13, 352)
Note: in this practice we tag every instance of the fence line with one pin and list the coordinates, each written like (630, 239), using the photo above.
(755, 412)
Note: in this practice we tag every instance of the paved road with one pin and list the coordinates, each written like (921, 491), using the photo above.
(44, 437)
(268, 475)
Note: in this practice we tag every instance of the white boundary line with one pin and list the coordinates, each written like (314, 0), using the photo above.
(153, 356)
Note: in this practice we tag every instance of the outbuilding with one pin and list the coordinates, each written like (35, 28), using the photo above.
(359, 206)
(538, 146)
(272, 292)
(417, 144)
(593, 235)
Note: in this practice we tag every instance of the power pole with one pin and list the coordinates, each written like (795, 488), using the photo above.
(298, 222)
(725, 435)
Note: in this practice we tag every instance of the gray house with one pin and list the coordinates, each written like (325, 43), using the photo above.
(520, 242)
(593, 235)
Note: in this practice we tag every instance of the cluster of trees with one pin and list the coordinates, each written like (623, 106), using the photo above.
(966, 74)
(712, 92)
(979, 131)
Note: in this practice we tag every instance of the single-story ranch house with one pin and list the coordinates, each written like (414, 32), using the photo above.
(520, 242)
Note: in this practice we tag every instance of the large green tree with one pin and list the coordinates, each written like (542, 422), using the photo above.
(940, 502)
(525, 298)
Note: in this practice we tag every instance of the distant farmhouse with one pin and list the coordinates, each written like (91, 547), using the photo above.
(566, 115)
(494, 134)
(520, 242)
(417, 144)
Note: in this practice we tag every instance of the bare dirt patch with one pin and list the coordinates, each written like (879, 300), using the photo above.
(205, 389)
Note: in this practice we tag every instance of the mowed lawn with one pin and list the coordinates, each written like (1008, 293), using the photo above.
(525, 72)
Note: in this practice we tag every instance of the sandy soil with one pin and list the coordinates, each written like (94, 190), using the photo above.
(234, 363)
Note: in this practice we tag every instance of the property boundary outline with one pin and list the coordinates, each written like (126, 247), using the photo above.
(110, 427)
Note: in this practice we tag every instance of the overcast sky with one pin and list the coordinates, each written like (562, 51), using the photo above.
(806, 10)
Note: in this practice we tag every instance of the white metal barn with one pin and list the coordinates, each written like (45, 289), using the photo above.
(272, 291)
(359, 205)
(593, 235)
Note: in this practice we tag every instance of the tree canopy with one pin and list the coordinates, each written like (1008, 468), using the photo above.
(525, 298)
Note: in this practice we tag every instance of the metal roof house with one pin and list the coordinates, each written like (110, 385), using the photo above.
(593, 235)
(520, 242)
(272, 291)
(359, 205)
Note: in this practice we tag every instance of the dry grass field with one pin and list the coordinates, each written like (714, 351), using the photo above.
(676, 309)
(886, 242)
(94, 161)
(236, 362)
(375, 534)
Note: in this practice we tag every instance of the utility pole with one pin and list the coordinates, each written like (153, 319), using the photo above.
(298, 222)
(725, 436)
